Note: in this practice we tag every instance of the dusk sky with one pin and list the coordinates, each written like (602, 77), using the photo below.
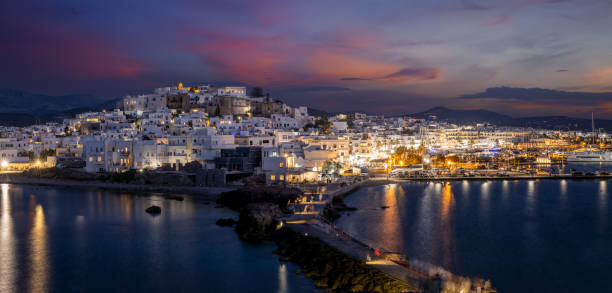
(376, 56)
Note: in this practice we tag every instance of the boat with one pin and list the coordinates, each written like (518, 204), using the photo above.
(590, 156)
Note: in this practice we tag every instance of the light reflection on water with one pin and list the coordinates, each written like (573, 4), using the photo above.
(72, 240)
(39, 262)
(7, 245)
(465, 187)
(603, 203)
(282, 279)
(390, 224)
(563, 194)
(485, 201)
(530, 207)
(446, 224)
(550, 234)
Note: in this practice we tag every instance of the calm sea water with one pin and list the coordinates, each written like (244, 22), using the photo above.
(72, 240)
(525, 236)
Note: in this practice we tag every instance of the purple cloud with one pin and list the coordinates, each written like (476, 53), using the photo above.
(424, 73)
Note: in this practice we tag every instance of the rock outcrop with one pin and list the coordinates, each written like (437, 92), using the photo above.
(153, 210)
(278, 195)
(332, 211)
(258, 221)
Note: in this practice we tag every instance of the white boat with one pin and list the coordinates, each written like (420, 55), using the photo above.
(590, 156)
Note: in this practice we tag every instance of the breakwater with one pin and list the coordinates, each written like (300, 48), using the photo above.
(333, 269)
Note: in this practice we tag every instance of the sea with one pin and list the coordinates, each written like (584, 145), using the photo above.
(522, 235)
(60, 239)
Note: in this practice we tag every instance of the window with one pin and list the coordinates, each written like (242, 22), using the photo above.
(272, 178)
(280, 165)
(281, 178)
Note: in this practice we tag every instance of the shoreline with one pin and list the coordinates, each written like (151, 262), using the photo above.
(380, 180)
(377, 181)
(210, 192)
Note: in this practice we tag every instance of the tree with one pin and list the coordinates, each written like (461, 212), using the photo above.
(217, 111)
(406, 156)
(257, 92)
(323, 125)
(29, 154)
(439, 161)
(350, 122)
(46, 153)
(330, 167)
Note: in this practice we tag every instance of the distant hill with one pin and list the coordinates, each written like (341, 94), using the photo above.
(20, 108)
(317, 112)
(482, 116)
(538, 94)
(463, 116)
(561, 122)
(16, 101)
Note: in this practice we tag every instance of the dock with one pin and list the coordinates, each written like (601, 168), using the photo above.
(306, 221)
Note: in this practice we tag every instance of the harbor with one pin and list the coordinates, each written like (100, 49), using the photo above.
(307, 219)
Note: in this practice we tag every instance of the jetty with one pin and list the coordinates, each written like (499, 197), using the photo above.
(308, 219)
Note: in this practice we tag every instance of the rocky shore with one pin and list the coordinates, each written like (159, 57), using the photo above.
(330, 268)
(258, 221)
(262, 210)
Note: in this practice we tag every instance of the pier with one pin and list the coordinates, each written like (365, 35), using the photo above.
(307, 221)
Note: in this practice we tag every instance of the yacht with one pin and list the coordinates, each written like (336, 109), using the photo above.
(590, 156)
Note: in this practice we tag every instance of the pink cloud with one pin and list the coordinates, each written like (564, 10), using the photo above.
(65, 53)
(498, 21)
(416, 73)
(505, 4)
(282, 60)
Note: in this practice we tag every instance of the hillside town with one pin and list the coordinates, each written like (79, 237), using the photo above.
(228, 134)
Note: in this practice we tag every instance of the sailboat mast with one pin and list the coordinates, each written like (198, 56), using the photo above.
(593, 126)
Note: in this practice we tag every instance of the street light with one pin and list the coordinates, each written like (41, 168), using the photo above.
(4, 164)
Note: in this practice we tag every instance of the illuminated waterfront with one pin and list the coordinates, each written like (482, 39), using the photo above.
(525, 236)
(63, 240)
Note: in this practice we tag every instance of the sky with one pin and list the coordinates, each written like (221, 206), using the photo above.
(374, 56)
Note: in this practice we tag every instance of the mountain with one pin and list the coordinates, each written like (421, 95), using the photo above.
(317, 112)
(19, 108)
(463, 116)
(561, 122)
(481, 116)
(16, 101)
(539, 94)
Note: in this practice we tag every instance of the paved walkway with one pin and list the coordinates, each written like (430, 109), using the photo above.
(344, 243)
